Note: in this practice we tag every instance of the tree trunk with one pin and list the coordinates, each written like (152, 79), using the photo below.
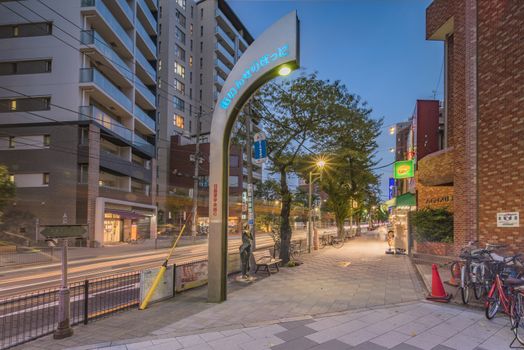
(340, 226)
(285, 227)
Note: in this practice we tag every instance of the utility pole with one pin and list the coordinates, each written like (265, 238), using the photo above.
(195, 181)
(250, 195)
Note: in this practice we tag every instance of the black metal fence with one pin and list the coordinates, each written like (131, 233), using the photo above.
(23, 256)
(32, 315)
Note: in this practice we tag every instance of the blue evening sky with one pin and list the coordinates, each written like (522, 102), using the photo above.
(376, 47)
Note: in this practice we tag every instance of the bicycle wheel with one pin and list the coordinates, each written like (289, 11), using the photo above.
(465, 293)
(493, 305)
(515, 318)
(322, 242)
(478, 290)
(337, 243)
(294, 254)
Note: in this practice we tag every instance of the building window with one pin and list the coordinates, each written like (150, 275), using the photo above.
(84, 136)
(159, 65)
(181, 3)
(191, 29)
(25, 104)
(201, 13)
(178, 121)
(181, 18)
(201, 78)
(47, 140)
(25, 30)
(233, 181)
(180, 70)
(190, 77)
(11, 142)
(201, 46)
(190, 126)
(203, 181)
(12, 178)
(25, 67)
(201, 62)
(178, 103)
(180, 35)
(201, 30)
(180, 86)
(45, 179)
(200, 95)
(191, 44)
(190, 61)
(82, 173)
(180, 53)
(190, 93)
(191, 11)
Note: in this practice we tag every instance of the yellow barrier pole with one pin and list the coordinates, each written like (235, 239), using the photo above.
(162, 270)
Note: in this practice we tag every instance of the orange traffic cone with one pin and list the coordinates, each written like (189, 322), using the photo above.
(452, 281)
(438, 293)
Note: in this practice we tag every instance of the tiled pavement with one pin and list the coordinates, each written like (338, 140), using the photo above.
(373, 303)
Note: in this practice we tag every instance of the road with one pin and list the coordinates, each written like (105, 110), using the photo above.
(26, 279)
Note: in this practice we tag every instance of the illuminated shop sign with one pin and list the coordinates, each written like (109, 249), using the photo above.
(249, 72)
(404, 169)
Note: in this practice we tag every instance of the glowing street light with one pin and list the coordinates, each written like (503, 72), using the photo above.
(284, 70)
(320, 164)
(392, 130)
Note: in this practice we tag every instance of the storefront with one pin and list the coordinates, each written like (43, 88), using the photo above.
(121, 221)
(400, 207)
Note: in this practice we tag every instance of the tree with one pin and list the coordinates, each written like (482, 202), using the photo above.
(268, 190)
(293, 113)
(7, 188)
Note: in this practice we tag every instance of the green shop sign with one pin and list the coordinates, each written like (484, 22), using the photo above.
(404, 169)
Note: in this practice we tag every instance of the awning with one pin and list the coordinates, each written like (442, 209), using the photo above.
(404, 200)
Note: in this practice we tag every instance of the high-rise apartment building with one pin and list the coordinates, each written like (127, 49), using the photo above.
(78, 113)
(199, 43)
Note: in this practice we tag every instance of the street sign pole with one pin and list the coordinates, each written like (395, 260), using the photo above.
(64, 329)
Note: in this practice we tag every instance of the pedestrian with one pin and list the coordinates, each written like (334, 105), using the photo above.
(245, 250)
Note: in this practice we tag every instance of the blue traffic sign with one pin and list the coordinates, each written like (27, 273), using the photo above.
(260, 148)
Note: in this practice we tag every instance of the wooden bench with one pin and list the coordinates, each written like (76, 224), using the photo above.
(264, 259)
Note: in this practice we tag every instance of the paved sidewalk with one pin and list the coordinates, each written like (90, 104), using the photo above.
(325, 283)
(373, 303)
(413, 326)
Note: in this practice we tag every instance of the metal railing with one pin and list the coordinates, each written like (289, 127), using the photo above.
(111, 21)
(24, 256)
(144, 118)
(33, 315)
(147, 12)
(146, 38)
(92, 75)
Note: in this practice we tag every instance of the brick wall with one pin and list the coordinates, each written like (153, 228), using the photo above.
(485, 113)
(501, 118)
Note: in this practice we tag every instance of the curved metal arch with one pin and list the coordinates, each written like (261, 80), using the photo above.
(276, 47)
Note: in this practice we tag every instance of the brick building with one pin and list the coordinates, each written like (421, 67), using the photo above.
(182, 167)
(484, 115)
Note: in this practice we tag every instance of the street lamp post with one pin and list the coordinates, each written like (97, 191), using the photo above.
(320, 165)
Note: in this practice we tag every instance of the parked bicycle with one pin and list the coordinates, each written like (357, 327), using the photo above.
(331, 240)
(475, 272)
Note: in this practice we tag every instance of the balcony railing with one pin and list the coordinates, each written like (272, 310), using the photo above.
(219, 80)
(222, 66)
(225, 37)
(147, 39)
(144, 118)
(145, 92)
(143, 145)
(92, 75)
(111, 21)
(91, 37)
(224, 52)
(127, 10)
(148, 14)
(104, 119)
(145, 64)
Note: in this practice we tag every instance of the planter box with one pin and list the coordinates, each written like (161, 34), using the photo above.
(434, 248)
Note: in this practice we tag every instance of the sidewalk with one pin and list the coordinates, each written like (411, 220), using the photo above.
(372, 303)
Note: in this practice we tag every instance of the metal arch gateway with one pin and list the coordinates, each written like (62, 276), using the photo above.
(278, 46)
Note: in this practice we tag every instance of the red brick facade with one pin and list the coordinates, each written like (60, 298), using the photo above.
(485, 112)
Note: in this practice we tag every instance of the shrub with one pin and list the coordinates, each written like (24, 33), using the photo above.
(433, 225)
